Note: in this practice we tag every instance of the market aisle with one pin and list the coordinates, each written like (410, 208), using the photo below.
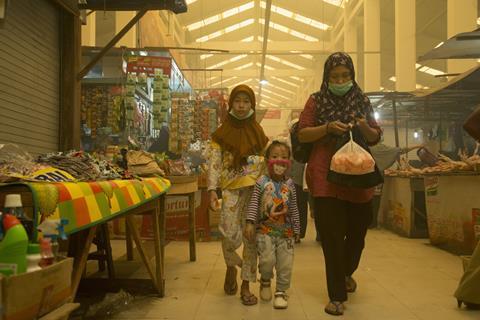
(399, 279)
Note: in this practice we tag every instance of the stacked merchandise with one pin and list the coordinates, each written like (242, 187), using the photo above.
(130, 104)
(181, 124)
(161, 100)
(101, 108)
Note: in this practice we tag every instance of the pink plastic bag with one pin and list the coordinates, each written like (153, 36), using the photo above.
(352, 159)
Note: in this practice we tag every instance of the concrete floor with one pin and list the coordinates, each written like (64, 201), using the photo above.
(398, 279)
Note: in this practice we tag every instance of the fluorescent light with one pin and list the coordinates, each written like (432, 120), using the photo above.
(438, 45)
(239, 83)
(205, 56)
(393, 78)
(285, 62)
(415, 134)
(307, 56)
(264, 82)
(376, 115)
(294, 33)
(249, 39)
(223, 81)
(258, 64)
(220, 16)
(191, 1)
(296, 16)
(276, 94)
(282, 89)
(226, 30)
(244, 66)
(337, 3)
(286, 82)
(236, 58)
(297, 78)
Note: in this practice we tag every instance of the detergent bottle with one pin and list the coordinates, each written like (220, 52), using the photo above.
(13, 247)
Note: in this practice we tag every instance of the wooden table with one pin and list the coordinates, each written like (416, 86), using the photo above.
(84, 237)
(180, 185)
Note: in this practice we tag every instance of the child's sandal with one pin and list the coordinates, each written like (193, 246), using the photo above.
(335, 308)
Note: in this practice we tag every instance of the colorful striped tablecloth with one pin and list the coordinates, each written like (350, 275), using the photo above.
(86, 204)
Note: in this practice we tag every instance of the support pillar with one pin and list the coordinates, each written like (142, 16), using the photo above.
(461, 17)
(371, 25)
(88, 31)
(350, 39)
(121, 19)
(405, 45)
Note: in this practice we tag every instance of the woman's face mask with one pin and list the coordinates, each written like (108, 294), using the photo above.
(340, 89)
(278, 166)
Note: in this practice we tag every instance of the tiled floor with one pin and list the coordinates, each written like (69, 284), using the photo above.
(398, 279)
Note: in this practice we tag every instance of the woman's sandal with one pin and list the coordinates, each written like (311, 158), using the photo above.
(248, 299)
(230, 286)
(335, 308)
(350, 284)
(471, 306)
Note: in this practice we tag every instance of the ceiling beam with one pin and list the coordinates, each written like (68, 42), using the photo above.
(268, 73)
(236, 47)
(268, 11)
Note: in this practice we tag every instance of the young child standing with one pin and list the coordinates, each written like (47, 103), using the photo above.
(273, 217)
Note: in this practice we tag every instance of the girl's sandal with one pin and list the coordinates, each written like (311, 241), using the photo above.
(248, 299)
(335, 308)
(230, 286)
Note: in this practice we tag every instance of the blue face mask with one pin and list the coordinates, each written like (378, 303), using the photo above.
(340, 89)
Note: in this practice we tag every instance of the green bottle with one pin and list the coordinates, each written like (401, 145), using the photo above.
(13, 247)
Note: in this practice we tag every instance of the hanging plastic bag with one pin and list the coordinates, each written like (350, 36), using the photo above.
(351, 172)
(352, 159)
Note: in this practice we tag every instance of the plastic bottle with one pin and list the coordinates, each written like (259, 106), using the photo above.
(46, 253)
(13, 248)
(33, 257)
(13, 205)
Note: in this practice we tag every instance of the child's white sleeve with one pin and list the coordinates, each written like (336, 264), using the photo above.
(304, 182)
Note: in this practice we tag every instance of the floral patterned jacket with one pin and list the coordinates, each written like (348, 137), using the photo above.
(221, 173)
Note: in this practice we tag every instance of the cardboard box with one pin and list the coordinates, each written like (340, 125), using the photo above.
(30, 295)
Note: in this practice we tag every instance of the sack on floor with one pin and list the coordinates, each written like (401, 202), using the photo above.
(143, 163)
(352, 164)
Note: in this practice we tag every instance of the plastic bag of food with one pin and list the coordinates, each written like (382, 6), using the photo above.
(352, 159)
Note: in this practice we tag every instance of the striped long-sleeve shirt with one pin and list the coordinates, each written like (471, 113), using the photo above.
(267, 199)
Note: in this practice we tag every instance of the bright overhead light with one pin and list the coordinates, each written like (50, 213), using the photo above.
(191, 1)
(249, 39)
(337, 3)
(286, 82)
(223, 81)
(258, 64)
(296, 16)
(307, 56)
(244, 66)
(239, 83)
(376, 115)
(236, 58)
(294, 33)
(297, 78)
(226, 30)
(393, 78)
(281, 89)
(264, 82)
(276, 94)
(285, 62)
(415, 134)
(220, 16)
(438, 45)
(270, 98)
(205, 56)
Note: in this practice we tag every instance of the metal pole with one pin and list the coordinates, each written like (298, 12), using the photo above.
(395, 121)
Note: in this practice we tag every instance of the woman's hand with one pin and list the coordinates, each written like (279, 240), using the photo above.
(337, 128)
(249, 231)
(371, 134)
